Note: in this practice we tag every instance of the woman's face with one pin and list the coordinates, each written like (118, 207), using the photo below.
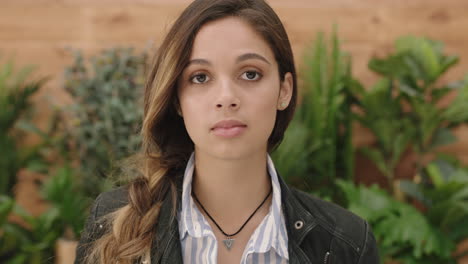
(232, 75)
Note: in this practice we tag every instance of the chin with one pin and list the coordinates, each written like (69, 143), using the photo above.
(231, 152)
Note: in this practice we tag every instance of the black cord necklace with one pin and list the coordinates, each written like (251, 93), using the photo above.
(229, 241)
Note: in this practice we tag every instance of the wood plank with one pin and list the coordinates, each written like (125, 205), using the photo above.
(281, 3)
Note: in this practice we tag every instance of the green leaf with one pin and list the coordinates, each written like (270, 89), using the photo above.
(447, 62)
(412, 189)
(409, 90)
(31, 128)
(396, 225)
(434, 174)
(401, 142)
(377, 158)
(6, 206)
(440, 93)
(392, 66)
(457, 111)
(442, 136)
(18, 259)
(424, 54)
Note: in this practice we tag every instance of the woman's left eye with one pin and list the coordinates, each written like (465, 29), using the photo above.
(251, 75)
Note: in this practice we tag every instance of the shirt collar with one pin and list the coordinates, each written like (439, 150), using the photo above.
(193, 223)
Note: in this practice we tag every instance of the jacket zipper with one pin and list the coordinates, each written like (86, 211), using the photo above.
(327, 256)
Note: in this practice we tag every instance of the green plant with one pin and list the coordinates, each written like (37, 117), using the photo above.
(384, 116)
(443, 192)
(106, 112)
(16, 92)
(402, 109)
(317, 146)
(403, 233)
(29, 243)
(33, 240)
(62, 191)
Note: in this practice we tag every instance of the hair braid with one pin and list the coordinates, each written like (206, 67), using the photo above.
(133, 225)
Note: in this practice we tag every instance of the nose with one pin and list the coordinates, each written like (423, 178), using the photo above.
(227, 97)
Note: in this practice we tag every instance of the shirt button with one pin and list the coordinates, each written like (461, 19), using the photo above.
(299, 224)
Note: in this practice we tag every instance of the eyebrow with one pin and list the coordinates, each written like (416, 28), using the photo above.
(243, 57)
(249, 56)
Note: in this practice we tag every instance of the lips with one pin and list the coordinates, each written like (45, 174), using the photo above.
(228, 124)
(228, 128)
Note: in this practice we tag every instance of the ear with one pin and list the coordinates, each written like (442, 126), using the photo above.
(285, 93)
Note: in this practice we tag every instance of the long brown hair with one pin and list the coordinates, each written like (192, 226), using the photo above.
(166, 145)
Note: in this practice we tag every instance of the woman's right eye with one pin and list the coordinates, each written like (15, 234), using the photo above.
(199, 78)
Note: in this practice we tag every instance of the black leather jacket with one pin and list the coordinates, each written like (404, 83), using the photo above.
(318, 231)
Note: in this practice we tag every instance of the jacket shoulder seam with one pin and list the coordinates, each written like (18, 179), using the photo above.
(96, 209)
(365, 242)
(108, 202)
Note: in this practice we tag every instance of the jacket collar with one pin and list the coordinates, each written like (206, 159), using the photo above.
(299, 222)
(167, 248)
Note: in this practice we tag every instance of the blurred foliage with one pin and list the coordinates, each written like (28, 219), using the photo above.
(403, 233)
(106, 113)
(443, 191)
(33, 241)
(16, 91)
(63, 193)
(407, 234)
(317, 145)
(403, 108)
(30, 244)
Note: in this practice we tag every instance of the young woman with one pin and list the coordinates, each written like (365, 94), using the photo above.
(218, 100)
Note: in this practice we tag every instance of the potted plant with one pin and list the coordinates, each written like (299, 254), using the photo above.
(31, 242)
(65, 198)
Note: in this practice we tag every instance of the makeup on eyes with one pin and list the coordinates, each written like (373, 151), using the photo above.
(202, 77)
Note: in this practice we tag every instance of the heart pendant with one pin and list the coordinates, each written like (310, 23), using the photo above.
(228, 243)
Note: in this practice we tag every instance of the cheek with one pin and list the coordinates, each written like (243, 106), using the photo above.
(265, 115)
(194, 111)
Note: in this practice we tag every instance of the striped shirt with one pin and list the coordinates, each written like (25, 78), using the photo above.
(268, 243)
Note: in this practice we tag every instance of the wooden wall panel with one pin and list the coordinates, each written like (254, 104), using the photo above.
(39, 32)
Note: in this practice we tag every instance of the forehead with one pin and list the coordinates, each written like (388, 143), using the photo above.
(229, 36)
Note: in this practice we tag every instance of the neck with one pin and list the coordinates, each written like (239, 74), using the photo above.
(231, 189)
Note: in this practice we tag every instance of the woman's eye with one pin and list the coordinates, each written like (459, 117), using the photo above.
(199, 78)
(251, 75)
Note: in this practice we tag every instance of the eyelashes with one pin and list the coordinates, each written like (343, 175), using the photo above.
(252, 75)
(201, 78)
